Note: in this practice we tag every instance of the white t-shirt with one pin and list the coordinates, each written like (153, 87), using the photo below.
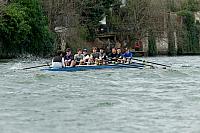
(58, 64)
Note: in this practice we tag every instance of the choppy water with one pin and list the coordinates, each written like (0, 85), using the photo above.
(105, 101)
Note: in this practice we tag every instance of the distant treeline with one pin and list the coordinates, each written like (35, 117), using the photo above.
(136, 19)
(24, 29)
(188, 33)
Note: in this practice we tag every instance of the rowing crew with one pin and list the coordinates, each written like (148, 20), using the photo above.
(84, 58)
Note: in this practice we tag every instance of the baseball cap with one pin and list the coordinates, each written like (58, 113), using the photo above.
(85, 50)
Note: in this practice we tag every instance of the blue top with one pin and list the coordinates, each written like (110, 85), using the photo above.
(128, 55)
(68, 57)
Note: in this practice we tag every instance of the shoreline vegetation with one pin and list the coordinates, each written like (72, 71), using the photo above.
(41, 27)
(24, 29)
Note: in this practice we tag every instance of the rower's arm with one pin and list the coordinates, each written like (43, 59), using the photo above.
(75, 57)
(63, 62)
(52, 61)
(131, 55)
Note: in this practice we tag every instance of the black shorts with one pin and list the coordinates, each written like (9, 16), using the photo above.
(77, 62)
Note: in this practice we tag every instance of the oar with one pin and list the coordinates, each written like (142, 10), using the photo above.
(134, 63)
(144, 64)
(140, 64)
(151, 62)
(35, 66)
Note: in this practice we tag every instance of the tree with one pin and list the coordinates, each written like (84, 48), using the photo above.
(91, 12)
(152, 47)
(40, 39)
(190, 36)
(191, 5)
(14, 28)
(24, 28)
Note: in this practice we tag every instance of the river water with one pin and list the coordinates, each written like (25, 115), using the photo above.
(103, 101)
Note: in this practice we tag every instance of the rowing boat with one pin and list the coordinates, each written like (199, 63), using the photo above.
(95, 67)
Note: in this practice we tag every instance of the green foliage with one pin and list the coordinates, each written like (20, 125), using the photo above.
(24, 28)
(191, 5)
(40, 39)
(171, 44)
(92, 12)
(188, 17)
(190, 37)
(83, 32)
(182, 41)
(13, 27)
(152, 48)
(194, 40)
(171, 6)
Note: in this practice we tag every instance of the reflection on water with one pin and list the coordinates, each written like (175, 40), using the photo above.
(108, 101)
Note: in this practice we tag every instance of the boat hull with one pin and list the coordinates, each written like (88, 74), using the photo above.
(94, 67)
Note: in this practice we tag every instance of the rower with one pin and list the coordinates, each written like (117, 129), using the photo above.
(69, 58)
(127, 55)
(94, 56)
(102, 56)
(79, 57)
(119, 55)
(86, 57)
(113, 56)
(58, 61)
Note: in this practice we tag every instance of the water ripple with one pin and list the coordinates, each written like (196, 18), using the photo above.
(106, 101)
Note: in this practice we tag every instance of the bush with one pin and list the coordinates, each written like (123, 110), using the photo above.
(40, 40)
(190, 34)
(24, 28)
(152, 48)
(14, 28)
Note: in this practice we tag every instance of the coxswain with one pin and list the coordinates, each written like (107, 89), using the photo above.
(58, 60)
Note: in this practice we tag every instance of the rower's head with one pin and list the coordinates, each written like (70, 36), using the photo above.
(94, 49)
(85, 51)
(101, 50)
(68, 51)
(59, 53)
(119, 50)
(114, 50)
(79, 51)
(127, 50)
